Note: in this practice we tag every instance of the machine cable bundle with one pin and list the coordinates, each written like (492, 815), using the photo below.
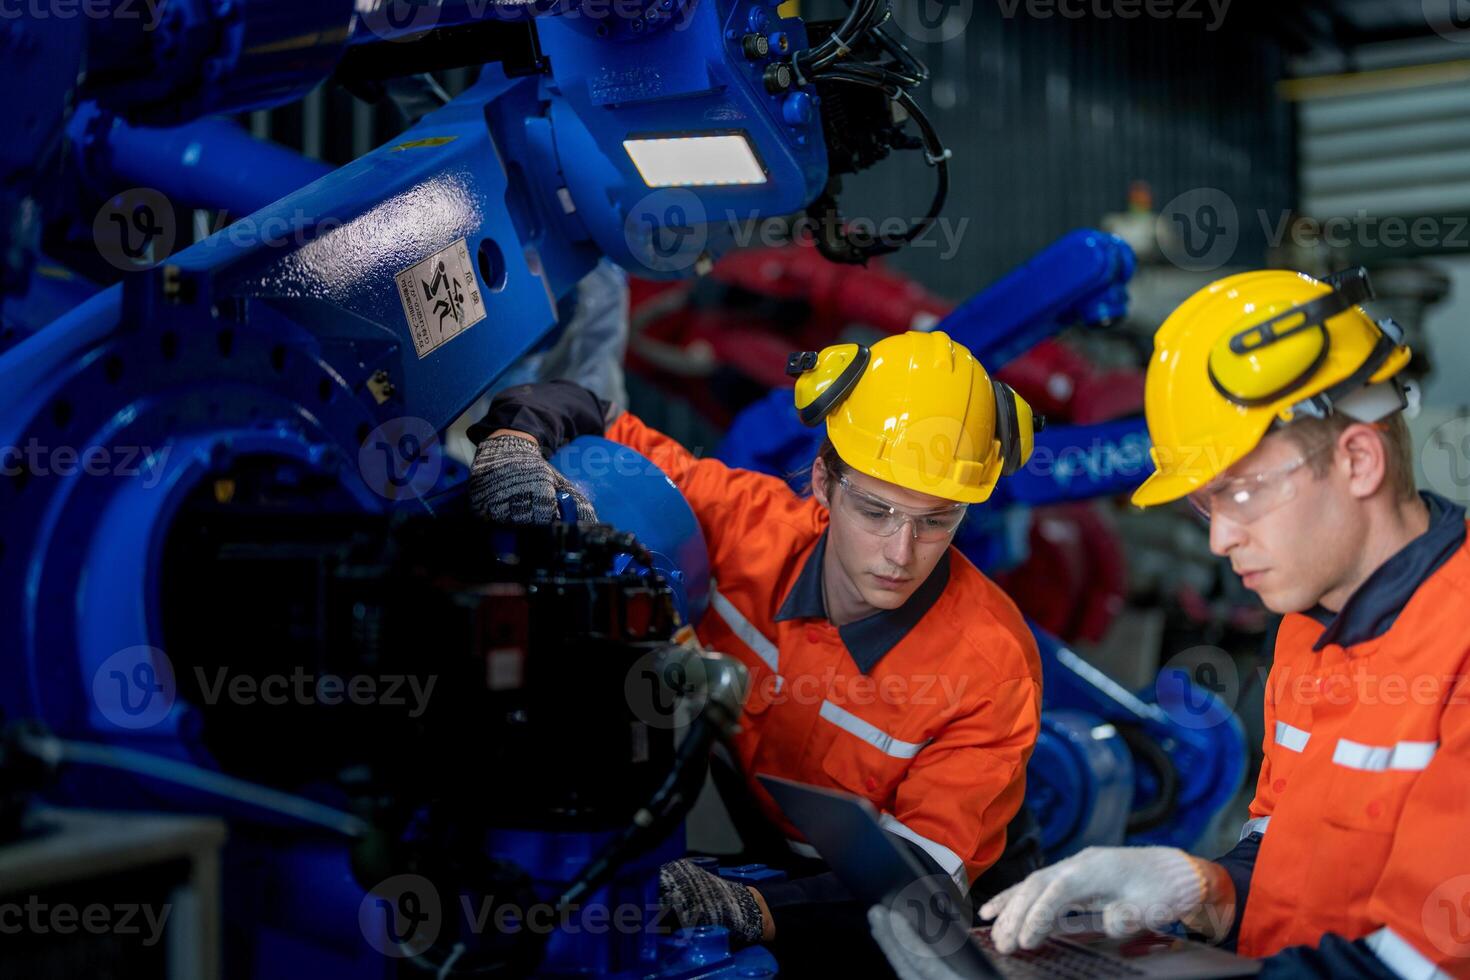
(859, 53)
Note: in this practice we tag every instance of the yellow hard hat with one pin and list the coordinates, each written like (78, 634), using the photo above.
(916, 409)
(1252, 351)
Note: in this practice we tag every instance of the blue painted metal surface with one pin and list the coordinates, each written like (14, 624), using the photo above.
(207, 163)
(39, 61)
(663, 233)
(751, 874)
(1080, 462)
(285, 339)
(633, 494)
(166, 64)
(52, 291)
(768, 437)
(1208, 745)
(612, 934)
(1080, 278)
(1203, 739)
(1079, 783)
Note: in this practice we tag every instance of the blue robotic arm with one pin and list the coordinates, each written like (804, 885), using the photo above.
(298, 368)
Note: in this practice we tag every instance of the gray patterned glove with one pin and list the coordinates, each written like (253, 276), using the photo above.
(511, 484)
(699, 898)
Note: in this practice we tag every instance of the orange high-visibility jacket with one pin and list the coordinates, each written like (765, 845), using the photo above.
(1364, 795)
(936, 733)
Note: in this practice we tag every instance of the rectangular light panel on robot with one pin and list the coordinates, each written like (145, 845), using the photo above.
(696, 161)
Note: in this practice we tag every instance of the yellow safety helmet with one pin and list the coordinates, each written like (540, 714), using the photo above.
(916, 409)
(1252, 351)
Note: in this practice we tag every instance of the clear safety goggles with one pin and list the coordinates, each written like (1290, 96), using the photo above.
(877, 516)
(1244, 499)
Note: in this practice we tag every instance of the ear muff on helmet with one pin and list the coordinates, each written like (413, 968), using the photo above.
(824, 379)
(1269, 360)
(1322, 404)
(1015, 427)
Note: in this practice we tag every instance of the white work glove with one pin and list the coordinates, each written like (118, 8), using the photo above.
(1135, 888)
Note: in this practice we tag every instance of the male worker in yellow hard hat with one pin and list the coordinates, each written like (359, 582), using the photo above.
(1274, 402)
(882, 662)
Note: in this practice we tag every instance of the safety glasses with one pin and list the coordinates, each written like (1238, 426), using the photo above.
(877, 516)
(1244, 499)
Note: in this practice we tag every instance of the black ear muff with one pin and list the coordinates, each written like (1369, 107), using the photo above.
(812, 413)
(1007, 427)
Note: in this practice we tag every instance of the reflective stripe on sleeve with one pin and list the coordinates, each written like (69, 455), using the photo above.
(802, 849)
(1291, 737)
(744, 629)
(1255, 825)
(1400, 956)
(1409, 756)
(872, 734)
(943, 856)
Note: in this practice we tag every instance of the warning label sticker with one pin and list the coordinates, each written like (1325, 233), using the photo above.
(441, 297)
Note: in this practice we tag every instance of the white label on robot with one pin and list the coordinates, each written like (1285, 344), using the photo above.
(441, 297)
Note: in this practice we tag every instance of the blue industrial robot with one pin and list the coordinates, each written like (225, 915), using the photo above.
(230, 463)
(228, 466)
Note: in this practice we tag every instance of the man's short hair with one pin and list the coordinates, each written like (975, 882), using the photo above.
(1398, 447)
(836, 469)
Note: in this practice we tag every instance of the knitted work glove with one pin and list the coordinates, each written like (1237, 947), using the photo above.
(1136, 888)
(699, 898)
(510, 483)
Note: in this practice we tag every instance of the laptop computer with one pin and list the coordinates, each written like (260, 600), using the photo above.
(878, 870)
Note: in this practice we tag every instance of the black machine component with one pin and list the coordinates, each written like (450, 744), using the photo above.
(865, 79)
(446, 612)
(494, 659)
(515, 46)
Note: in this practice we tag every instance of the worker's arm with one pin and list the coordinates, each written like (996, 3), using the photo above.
(1422, 899)
(950, 810)
(1135, 888)
(1208, 897)
(965, 786)
(1237, 866)
(1330, 959)
(725, 501)
(553, 412)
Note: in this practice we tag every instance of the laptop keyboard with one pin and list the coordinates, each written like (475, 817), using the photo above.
(1055, 960)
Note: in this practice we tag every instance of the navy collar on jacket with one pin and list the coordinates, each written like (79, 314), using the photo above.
(870, 638)
(1375, 605)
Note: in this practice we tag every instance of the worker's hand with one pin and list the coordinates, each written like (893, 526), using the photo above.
(699, 898)
(1135, 888)
(510, 483)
